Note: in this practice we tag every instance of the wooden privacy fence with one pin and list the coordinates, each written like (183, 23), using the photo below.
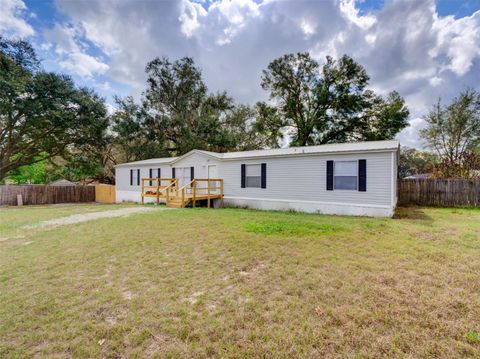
(44, 194)
(439, 192)
(105, 193)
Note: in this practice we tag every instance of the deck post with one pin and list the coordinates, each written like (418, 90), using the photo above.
(143, 191)
(158, 191)
(194, 192)
(221, 193)
(208, 193)
(183, 196)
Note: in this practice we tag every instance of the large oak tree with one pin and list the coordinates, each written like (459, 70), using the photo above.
(182, 115)
(317, 105)
(42, 114)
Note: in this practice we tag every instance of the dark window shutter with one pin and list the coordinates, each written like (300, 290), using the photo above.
(329, 175)
(362, 175)
(150, 174)
(264, 175)
(159, 173)
(243, 175)
(138, 177)
(131, 177)
(173, 172)
(192, 173)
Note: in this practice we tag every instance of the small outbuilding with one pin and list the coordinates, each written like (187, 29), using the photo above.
(61, 182)
(358, 178)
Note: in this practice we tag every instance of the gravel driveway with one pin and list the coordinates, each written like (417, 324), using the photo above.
(77, 218)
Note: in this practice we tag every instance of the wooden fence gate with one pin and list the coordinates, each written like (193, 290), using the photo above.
(105, 193)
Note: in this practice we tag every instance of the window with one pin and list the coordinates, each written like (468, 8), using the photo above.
(134, 177)
(253, 176)
(346, 175)
(154, 173)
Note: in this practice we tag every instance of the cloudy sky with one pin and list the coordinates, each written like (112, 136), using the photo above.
(424, 49)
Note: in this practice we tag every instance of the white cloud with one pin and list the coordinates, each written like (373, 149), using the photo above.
(349, 10)
(130, 34)
(83, 65)
(189, 17)
(409, 136)
(307, 28)
(63, 38)
(404, 46)
(235, 11)
(230, 17)
(72, 53)
(435, 81)
(458, 40)
(12, 23)
(110, 109)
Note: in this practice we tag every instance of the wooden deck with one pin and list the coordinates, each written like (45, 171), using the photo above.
(199, 189)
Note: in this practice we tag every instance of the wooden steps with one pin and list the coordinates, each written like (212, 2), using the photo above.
(176, 202)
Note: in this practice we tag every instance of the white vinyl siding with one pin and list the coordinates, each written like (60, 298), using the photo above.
(345, 175)
(304, 178)
(199, 162)
(122, 176)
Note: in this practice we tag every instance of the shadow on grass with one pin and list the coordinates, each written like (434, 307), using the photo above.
(414, 213)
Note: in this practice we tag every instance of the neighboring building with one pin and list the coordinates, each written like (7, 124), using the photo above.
(419, 176)
(357, 178)
(61, 182)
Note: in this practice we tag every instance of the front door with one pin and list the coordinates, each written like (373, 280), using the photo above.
(183, 176)
(212, 173)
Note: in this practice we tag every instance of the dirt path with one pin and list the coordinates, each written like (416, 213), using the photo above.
(77, 218)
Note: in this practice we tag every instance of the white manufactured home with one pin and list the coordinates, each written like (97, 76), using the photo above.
(357, 178)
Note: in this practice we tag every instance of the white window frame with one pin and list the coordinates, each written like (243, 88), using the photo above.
(335, 176)
(259, 165)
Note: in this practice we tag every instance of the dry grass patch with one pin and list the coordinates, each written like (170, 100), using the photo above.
(12, 219)
(239, 283)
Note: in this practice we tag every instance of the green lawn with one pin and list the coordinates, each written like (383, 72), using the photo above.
(240, 283)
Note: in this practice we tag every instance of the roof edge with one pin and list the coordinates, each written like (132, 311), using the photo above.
(166, 160)
(300, 154)
(215, 155)
(395, 145)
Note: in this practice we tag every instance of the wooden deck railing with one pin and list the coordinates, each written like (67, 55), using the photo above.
(214, 188)
(192, 191)
(157, 189)
(196, 190)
